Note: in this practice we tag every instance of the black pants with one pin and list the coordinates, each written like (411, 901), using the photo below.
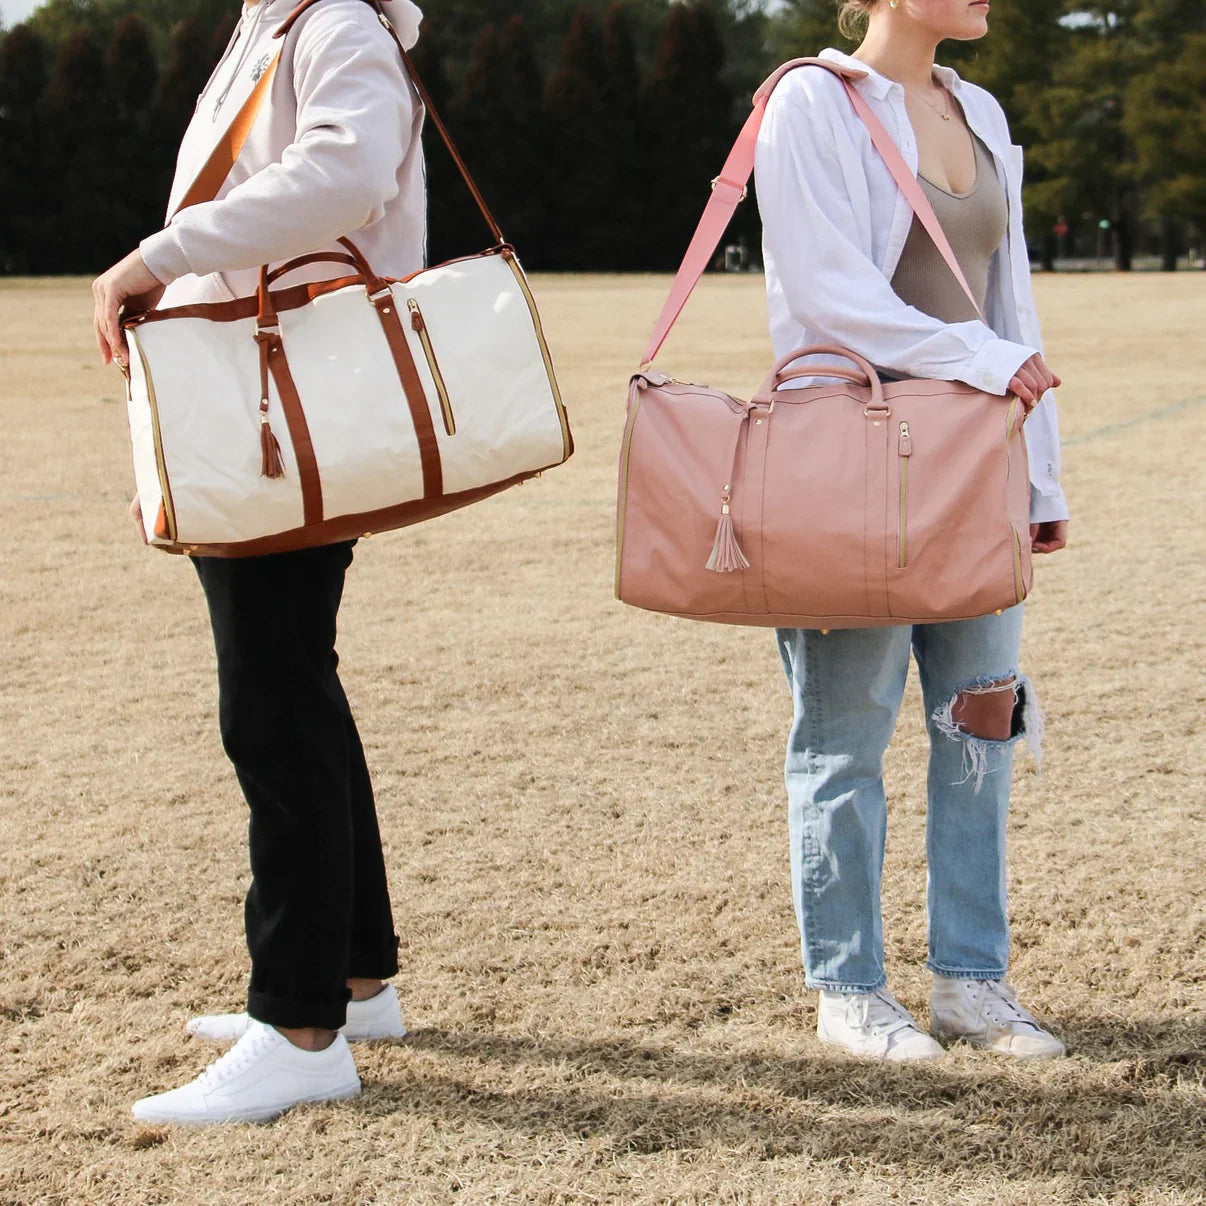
(318, 910)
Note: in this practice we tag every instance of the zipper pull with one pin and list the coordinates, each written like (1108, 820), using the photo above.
(906, 441)
(416, 315)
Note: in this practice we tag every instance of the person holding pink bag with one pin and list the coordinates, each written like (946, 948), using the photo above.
(849, 263)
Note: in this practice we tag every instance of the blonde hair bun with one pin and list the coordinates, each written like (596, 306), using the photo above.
(852, 17)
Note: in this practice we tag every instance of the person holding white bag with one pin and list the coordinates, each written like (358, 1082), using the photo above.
(848, 263)
(335, 151)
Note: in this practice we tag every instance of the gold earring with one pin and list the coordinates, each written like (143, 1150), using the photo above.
(893, 4)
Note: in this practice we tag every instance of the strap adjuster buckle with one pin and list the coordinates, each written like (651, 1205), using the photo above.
(721, 180)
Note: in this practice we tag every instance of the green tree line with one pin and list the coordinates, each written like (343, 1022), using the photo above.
(594, 126)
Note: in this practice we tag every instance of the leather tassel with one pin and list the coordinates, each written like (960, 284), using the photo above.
(727, 556)
(271, 464)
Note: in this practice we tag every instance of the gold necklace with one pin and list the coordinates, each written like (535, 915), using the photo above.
(945, 112)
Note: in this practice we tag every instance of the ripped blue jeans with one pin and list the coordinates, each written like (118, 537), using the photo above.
(848, 686)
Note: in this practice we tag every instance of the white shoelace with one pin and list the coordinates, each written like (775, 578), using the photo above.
(246, 1051)
(1001, 1005)
(881, 1013)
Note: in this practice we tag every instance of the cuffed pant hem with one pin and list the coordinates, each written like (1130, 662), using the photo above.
(967, 973)
(294, 1014)
(835, 986)
(374, 965)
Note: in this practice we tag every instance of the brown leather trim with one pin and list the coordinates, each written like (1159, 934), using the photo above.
(161, 526)
(349, 527)
(299, 433)
(460, 259)
(292, 298)
(416, 399)
(222, 158)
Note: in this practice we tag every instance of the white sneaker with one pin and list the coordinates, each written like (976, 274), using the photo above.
(261, 1076)
(986, 1013)
(379, 1017)
(872, 1023)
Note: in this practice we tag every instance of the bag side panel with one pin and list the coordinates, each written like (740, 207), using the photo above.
(960, 549)
(507, 418)
(681, 454)
(206, 379)
(142, 440)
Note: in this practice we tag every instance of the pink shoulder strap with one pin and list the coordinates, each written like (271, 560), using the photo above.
(729, 189)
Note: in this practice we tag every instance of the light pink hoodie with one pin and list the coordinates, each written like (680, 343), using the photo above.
(335, 151)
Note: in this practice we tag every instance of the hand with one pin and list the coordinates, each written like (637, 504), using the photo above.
(1048, 537)
(1032, 381)
(128, 281)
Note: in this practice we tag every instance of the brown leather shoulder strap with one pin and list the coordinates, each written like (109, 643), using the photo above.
(287, 24)
(217, 167)
(424, 96)
(222, 159)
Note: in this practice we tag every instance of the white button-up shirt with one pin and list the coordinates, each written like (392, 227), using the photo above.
(835, 223)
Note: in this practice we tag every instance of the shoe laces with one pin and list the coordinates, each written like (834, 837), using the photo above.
(246, 1051)
(1000, 1004)
(880, 1013)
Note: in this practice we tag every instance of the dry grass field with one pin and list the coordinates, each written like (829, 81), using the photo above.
(585, 822)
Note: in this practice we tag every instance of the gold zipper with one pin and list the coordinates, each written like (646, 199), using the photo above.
(566, 439)
(1017, 563)
(169, 507)
(904, 451)
(418, 323)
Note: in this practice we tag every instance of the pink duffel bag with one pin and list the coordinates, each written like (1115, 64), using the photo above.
(848, 505)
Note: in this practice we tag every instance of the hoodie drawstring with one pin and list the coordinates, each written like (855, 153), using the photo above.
(245, 26)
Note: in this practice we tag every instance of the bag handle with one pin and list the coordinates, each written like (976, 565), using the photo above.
(864, 374)
(318, 257)
(729, 190)
(374, 285)
(222, 159)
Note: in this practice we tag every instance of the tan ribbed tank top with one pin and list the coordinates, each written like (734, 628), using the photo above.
(975, 222)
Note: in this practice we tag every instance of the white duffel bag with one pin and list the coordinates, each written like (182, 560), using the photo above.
(335, 409)
(325, 411)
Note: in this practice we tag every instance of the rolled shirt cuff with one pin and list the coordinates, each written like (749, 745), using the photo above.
(995, 364)
(1047, 508)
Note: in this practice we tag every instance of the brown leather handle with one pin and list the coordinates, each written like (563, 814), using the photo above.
(318, 257)
(374, 285)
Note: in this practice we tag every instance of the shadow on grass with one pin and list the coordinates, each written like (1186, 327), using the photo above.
(1133, 1117)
